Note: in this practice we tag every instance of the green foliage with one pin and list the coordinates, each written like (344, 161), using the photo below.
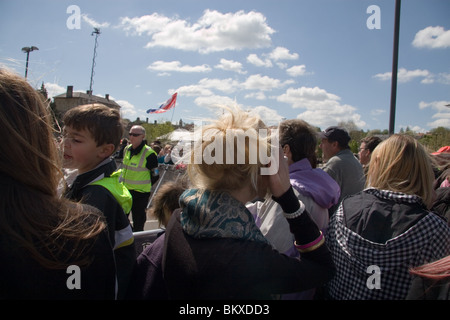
(156, 130)
(437, 138)
(432, 140)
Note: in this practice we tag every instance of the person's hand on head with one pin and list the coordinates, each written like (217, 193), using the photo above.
(279, 182)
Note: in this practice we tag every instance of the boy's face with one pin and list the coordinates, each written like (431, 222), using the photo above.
(81, 151)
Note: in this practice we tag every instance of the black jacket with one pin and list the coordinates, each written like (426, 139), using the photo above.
(101, 198)
(229, 268)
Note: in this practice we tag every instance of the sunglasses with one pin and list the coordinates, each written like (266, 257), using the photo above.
(135, 134)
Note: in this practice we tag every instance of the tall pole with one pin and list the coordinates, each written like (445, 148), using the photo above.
(26, 66)
(394, 67)
(96, 32)
(28, 50)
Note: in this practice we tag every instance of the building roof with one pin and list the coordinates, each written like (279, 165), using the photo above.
(91, 98)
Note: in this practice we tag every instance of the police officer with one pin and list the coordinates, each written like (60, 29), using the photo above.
(138, 162)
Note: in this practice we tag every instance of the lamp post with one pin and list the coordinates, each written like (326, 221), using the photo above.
(394, 67)
(96, 32)
(28, 50)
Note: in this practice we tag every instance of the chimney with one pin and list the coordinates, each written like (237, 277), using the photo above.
(69, 93)
(107, 96)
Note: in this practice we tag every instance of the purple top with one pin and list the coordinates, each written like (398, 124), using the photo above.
(314, 183)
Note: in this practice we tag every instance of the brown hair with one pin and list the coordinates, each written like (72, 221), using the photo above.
(102, 122)
(32, 215)
(167, 198)
(301, 138)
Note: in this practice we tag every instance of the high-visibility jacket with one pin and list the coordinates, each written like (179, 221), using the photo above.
(134, 174)
(122, 237)
(118, 190)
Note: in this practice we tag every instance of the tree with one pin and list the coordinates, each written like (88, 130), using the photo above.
(436, 139)
(153, 130)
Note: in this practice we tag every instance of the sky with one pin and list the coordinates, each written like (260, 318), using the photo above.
(323, 61)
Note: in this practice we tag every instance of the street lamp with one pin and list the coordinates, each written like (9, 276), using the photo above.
(96, 32)
(28, 50)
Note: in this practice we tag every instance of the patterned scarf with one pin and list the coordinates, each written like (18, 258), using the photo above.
(209, 214)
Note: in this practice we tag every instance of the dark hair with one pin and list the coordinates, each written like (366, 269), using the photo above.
(301, 138)
(102, 122)
(167, 197)
(371, 142)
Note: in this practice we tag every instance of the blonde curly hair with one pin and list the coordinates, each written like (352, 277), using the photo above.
(233, 149)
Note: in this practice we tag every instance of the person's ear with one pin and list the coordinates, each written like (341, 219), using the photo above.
(106, 150)
(286, 149)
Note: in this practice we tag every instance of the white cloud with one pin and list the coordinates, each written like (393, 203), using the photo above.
(176, 66)
(412, 127)
(206, 85)
(225, 85)
(377, 112)
(256, 95)
(265, 83)
(194, 91)
(432, 37)
(442, 114)
(255, 60)
(277, 54)
(94, 23)
(213, 32)
(296, 71)
(323, 109)
(147, 24)
(267, 115)
(54, 89)
(443, 78)
(404, 75)
(230, 65)
(436, 105)
(213, 102)
(127, 110)
(281, 53)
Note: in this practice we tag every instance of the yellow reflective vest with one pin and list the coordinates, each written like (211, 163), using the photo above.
(122, 237)
(118, 190)
(134, 173)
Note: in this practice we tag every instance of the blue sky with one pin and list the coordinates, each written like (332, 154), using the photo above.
(315, 60)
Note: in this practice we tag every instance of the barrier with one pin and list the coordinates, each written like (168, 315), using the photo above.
(167, 172)
(143, 239)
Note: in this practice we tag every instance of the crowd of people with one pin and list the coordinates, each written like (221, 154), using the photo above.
(375, 226)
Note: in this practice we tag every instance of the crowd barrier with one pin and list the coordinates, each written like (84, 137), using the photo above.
(143, 239)
(167, 172)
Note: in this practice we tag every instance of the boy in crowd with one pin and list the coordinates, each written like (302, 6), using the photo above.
(92, 134)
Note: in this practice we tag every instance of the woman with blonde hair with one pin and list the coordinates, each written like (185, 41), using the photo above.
(213, 248)
(51, 248)
(380, 233)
